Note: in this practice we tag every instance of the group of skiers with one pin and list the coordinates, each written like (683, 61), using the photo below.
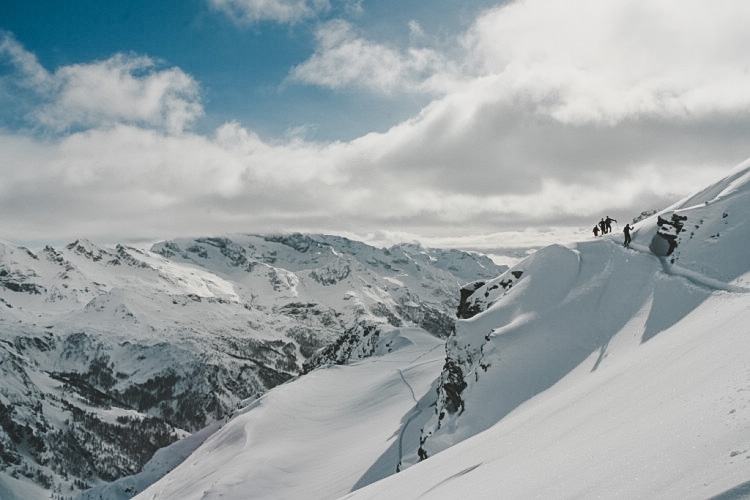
(604, 226)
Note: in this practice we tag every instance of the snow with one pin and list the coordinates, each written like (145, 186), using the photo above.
(163, 461)
(215, 318)
(17, 489)
(591, 370)
(666, 419)
(315, 437)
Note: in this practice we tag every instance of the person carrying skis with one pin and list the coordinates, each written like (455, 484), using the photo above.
(608, 224)
(627, 230)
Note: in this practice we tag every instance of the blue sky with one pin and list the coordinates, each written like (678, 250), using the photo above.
(474, 124)
(242, 66)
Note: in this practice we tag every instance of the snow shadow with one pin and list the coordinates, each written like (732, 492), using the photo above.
(409, 432)
(739, 492)
(674, 298)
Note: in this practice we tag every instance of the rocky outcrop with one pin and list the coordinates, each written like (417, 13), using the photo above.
(666, 239)
(360, 341)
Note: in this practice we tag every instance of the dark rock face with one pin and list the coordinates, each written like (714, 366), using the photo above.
(470, 304)
(355, 343)
(466, 309)
(18, 282)
(452, 384)
(297, 241)
(666, 239)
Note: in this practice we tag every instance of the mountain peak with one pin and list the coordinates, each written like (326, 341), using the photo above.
(86, 248)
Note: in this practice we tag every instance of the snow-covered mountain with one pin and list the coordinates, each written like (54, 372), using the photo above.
(108, 354)
(585, 371)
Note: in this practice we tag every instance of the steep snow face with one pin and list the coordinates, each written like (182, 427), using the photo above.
(668, 418)
(95, 342)
(528, 328)
(575, 309)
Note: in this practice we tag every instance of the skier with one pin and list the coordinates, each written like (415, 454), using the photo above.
(627, 230)
(608, 223)
(603, 226)
(596, 230)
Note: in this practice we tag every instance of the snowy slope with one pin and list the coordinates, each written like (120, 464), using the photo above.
(585, 371)
(599, 371)
(666, 419)
(108, 354)
(313, 438)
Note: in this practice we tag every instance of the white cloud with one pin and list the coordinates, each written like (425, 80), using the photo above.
(606, 60)
(122, 89)
(131, 181)
(34, 75)
(577, 62)
(342, 58)
(281, 11)
(555, 115)
(568, 108)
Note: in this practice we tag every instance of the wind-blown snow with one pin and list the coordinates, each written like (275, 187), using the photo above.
(588, 371)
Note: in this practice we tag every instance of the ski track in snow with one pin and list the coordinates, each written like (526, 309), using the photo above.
(692, 276)
(700, 279)
(411, 390)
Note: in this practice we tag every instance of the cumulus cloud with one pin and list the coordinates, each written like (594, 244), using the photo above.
(151, 182)
(121, 89)
(554, 109)
(588, 61)
(604, 61)
(280, 11)
(343, 58)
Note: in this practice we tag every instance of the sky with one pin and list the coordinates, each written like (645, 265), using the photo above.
(453, 123)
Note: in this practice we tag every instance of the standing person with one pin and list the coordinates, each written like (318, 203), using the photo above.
(627, 230)
(608, 223)
(603, 226)
(596, 230)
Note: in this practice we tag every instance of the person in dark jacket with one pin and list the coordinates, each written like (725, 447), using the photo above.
(608, 224)
(627, 230)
